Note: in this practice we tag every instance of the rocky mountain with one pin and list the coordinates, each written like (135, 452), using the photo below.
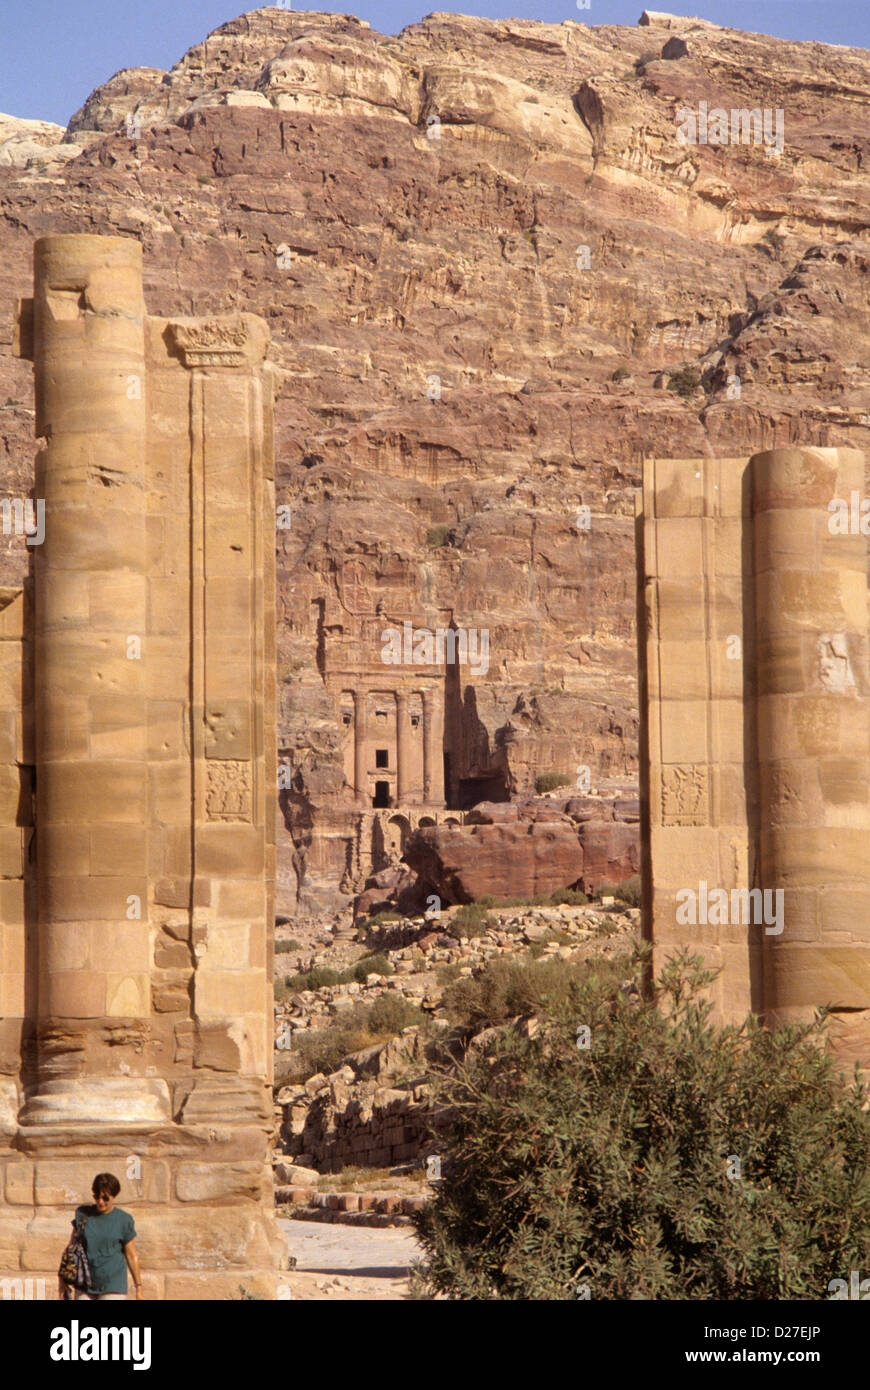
(496, 276)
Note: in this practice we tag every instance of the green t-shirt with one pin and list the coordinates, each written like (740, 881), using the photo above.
(106, 1234)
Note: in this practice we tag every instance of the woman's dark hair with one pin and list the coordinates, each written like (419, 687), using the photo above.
(105, 1182)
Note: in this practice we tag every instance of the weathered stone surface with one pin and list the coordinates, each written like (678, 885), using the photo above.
(527, 849)
(126, 1019)
(755, 681)
(209, 1182)
(527, 858)
(423, 183)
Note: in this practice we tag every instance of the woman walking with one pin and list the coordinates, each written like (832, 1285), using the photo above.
(109, 1236)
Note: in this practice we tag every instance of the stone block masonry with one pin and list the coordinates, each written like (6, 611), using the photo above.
(754, 692)
(136, 920)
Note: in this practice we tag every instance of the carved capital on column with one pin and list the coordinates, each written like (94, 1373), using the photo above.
(220, 342)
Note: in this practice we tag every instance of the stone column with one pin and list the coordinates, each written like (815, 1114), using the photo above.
(813, 734)
(403, 749)
(433, 761)
(90, 647)
(360, 730)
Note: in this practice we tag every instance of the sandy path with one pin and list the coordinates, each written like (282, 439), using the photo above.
(335, 1262)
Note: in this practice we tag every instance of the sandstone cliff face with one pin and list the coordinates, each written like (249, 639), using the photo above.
(461, 379)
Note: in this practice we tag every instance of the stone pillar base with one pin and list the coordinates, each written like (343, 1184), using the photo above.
(201, 1198)
(115, 1100)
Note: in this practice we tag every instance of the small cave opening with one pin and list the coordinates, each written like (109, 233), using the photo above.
(472, 790)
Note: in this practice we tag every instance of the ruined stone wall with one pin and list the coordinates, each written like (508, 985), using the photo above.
(143, 1001)
(377, 1130)
(756, 735)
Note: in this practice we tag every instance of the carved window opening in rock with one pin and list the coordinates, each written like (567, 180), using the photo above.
(415, 721)
(381, 716)
(346, 718)
(382, 757)
(381, 798)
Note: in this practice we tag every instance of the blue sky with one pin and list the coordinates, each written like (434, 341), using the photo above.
(54, 52)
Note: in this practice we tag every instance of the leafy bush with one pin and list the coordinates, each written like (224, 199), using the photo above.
(377, 964)
(362, 1025)
(505, 989)
(312, 979)
(684, 381)
(472, 919)
(380, 918)
(620, 374)
(489, 901)
(671, 1159)
(447, 973)
(324, 1049)
(549, 781)
(390, 1013)
(568, 896)
(557, 899)
(290, 944)
(437, 535)
(323, 975)
(630, 891)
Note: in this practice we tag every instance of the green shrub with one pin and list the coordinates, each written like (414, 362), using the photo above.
(324, 1049)
(569, 897)
(671, 1159)
(291, 944)
(312, 979)
(447, 973)
(561, 895)
(377, 964)
(505, 989)
(390, 1013)
(620, 374)
(322, 975)
(630, 891)
(549, 781)
(684, 381)
(380, 918)
(472, 919)
(362, 1025)
(437, 535)
(561, 937)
